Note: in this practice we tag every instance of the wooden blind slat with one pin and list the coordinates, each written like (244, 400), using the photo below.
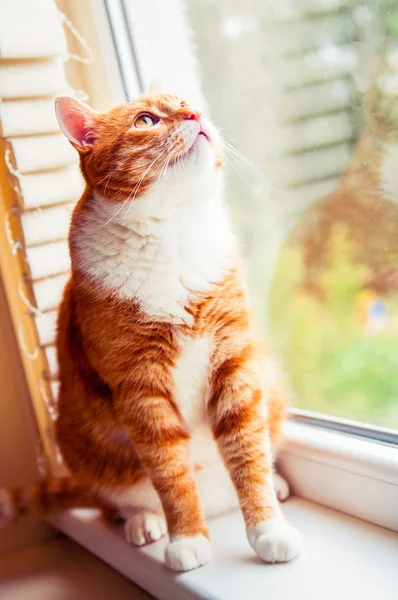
(42, 152)
(51, 355)
(52, 187)
(49, 259)
(36, 78)
(27, 117)
(46, 326)
(45, 184)
(35, 30)
(47, 225)
(48, 292)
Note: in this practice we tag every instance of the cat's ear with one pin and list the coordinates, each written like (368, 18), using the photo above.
(77, 122)
(155, 87)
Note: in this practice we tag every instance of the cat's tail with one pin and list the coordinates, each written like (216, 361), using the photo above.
(42, 498)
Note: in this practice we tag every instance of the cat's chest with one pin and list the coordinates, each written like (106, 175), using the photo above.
(191, 391)
(191, 379)
(160, 263)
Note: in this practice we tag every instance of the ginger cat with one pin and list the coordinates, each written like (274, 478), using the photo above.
(162, 379)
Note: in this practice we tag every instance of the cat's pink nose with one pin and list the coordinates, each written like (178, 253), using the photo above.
(193, 115)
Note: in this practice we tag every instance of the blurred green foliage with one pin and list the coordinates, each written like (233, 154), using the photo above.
(390, 11)
(335, 363)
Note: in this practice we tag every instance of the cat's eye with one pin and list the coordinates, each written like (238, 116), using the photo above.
(145, 121)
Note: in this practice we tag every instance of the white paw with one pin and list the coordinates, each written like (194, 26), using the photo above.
(185, 553)
(274, 540)
(144, 527)
(282, 488)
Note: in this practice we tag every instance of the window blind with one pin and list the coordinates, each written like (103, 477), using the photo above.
(45, 181)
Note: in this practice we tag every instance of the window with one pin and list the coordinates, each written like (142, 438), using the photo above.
(308, 89)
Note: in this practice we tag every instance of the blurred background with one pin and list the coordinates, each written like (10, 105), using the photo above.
(308, 92)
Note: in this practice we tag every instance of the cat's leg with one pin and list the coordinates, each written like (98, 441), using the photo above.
(277, 396)
(238, 416)
(161, 442)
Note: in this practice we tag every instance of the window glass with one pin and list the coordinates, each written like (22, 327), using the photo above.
(307, 90)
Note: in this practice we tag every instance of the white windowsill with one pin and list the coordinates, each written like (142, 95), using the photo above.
(366, 457)
(343, 558)
(356, 476)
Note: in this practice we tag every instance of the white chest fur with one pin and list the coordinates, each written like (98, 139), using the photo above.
(191, 378)
(162, 261)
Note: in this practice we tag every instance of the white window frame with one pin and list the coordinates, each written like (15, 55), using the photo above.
(139, 27)
(342, 464)
(354, 475)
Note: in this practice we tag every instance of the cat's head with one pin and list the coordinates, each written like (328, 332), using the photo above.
(157, 143)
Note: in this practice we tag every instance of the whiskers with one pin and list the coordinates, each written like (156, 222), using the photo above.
(242, 166)
(168, 153)
(115, 214)
(171, 158)
(134, 192)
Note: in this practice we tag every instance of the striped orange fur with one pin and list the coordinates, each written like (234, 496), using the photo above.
(44, 497)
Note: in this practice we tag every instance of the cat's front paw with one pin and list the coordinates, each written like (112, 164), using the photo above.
(144, 527)
(185, 553)
(274, 540)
